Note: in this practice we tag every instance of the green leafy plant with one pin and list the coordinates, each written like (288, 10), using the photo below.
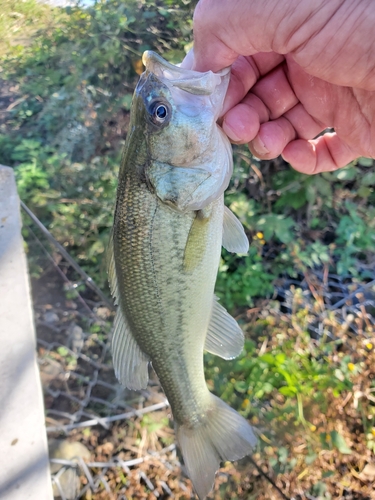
(300, 375)
(241, 279)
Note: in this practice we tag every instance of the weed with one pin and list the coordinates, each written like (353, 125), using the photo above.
(294, 371)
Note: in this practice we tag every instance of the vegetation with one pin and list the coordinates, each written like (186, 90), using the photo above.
(67, 77)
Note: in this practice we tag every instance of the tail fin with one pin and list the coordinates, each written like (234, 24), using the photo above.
(223, 435)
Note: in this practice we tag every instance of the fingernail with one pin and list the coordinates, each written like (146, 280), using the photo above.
(189, 60)
(259, 147)
(230, 132)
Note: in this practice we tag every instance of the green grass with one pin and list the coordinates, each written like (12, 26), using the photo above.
(20, 20)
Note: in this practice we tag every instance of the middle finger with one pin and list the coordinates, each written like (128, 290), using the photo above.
(275, 92)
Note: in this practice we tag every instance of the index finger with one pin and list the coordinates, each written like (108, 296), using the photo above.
(225, 29)
(245, 72)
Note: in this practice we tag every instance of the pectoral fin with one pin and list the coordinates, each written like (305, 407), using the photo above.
(234, 237)
(129, 361)
(224, 336)
(196, 243)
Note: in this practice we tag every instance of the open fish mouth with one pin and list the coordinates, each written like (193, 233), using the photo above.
(191, 81)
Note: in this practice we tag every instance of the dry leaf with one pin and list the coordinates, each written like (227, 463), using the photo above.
(368, 473)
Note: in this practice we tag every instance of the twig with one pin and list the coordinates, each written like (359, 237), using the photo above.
(106, 420)
(254, 167)
(16, 102)
(270, 480)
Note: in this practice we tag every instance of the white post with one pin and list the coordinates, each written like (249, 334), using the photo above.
(24, 466)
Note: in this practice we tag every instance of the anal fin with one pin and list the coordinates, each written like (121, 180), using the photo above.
(234, 236)
(129, 361)
(224, 336)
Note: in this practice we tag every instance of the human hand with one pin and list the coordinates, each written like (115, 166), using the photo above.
(298, 68)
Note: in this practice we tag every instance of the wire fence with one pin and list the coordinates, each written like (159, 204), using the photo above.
(83, 397)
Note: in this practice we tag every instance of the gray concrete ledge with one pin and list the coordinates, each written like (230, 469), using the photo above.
(24, 466)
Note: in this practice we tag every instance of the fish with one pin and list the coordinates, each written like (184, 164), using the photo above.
(169, 225)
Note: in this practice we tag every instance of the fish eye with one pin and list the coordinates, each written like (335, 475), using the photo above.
(161, 112)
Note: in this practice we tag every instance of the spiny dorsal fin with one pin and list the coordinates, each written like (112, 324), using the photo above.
(224, 336)
(234, 237)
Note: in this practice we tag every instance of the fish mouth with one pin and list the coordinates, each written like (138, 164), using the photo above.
(194, 82)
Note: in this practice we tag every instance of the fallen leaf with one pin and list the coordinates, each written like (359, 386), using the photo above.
(368, 473)
(340, 443)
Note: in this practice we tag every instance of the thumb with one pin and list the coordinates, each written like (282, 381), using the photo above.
(210, 51)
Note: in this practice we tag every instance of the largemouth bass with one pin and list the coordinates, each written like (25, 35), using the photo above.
(169, 225)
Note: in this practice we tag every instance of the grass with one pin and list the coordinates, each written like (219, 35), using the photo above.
(20, 20)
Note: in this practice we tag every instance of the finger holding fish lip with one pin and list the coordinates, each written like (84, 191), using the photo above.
(242, 122)
(245, 72)
(260, 107)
